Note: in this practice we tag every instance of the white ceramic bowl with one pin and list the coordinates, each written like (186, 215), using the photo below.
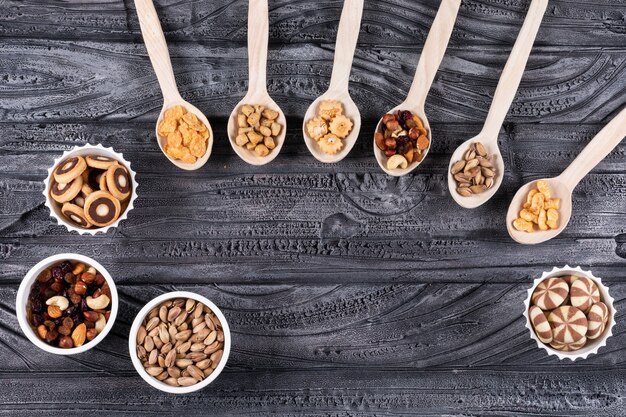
(22, 301)
(592, 346)
(55, 208)
(132, 342)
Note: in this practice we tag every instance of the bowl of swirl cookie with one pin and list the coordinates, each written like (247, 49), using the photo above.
(569, 313)
(90, 189)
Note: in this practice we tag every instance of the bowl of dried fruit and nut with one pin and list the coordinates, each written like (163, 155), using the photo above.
(179, 342)
(569, 313)
(66, 304)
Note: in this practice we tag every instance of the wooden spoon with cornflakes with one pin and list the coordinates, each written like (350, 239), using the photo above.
(257, 95)
(160, 58)
(563, 185)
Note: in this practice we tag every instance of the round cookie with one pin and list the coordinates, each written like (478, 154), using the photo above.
(569, 325)
(63, 192)
(118, 182)
(584, 293)
(550, 293)
(597, 318)
(101, 208)
(75, 214)
(569, 347)
(69, 169)
(99, 161)
(540, 324)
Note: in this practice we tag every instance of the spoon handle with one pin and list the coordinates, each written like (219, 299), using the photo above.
(258, 35)
(157, 49)
(347, 36)
(433, 52)
(514, 69)
(599, 147)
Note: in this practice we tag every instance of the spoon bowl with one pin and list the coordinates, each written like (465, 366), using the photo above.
(251, 157)
(427, 66)
(493, 150)
(381, 158)
(350, 110)
(559, 190)
(163, 140)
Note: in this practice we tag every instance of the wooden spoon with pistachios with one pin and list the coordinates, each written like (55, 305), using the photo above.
(563, 185)
(480, 187)
(257, 95)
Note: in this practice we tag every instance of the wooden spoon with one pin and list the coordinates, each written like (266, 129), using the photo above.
(258, 33)
(432, 54)
(563, 185)
(347, 35)
(502, 99)
(159, 56)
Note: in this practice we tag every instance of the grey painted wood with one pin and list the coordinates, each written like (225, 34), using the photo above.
(348, 292)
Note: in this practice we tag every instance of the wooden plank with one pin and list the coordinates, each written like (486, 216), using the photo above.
(337, 326)
(87, 81)
(394, 22)
(312, 349)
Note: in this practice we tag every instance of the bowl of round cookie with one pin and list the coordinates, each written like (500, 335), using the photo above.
(90, 189)
(569, 313)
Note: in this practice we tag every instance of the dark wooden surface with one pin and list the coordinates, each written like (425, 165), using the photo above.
(348, 292)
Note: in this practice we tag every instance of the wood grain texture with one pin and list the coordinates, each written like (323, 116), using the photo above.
(348, 292)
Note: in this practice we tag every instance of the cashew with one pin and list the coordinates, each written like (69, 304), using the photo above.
(101, 322)
(97, 303)
(91, 270)
(58, 301)
(397, 161)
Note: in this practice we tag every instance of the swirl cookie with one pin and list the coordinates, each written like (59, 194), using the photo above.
(540, 324)
(76, 214)
(597, 317)
(69, 169)
(583, 293)
(565, 347)
(118, 182)
(569, 325)
(99, 161)
(550, 293)
(64, 192)
(101, 208)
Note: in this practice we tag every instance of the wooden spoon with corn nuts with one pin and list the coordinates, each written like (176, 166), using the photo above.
(257, 95)
(563, 185)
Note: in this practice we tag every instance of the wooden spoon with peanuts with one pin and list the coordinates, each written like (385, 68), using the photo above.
(432, 55)
(347, 35)
(502, 99)
(563, 185)
(160, 58)
(258, 34)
